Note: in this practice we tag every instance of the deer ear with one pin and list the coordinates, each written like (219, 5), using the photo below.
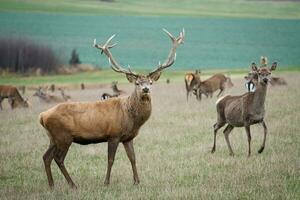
(131, 78)
(254, 67)
(155, 76)
(274, 65)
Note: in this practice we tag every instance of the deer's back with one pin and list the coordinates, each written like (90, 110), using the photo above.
(213, 83)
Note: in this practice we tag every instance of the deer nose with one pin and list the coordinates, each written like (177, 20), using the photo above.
(146, 90)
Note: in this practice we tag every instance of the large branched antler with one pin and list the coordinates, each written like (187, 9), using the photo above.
(172, 54)
(114, 64)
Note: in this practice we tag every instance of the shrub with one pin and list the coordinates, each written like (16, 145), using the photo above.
(25, 56)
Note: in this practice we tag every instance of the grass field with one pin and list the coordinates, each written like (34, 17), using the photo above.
(215, 8)
(172, 149)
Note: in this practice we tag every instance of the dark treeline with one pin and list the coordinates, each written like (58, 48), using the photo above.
(25, 56)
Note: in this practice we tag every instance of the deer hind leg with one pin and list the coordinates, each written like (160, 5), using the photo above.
(249, 139)
(1, 99)
(226, 132)
(59, 157)
(131, 155)
(217, 126)
(48, 157)
(111, 151)
(265, 136)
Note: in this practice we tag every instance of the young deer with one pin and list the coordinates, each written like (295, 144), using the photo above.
(114, 120)
(212, 84)
(245, 110)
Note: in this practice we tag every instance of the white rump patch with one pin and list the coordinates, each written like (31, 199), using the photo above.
(219, 99)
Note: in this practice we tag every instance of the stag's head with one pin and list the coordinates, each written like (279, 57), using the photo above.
(142, 82)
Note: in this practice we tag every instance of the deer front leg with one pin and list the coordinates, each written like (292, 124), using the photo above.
(131, 155)
(217, 126)
(265, 136)
(111, 151)
(247, 127)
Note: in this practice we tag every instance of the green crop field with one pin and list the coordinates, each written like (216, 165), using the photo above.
(209, 43)
(217, 8)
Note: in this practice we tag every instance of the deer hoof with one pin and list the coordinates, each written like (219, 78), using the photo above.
(213, 150)
(73, 186)
(106, 183)
(261, 150)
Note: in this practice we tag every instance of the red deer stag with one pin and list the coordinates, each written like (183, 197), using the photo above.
(245, 110)
(214, 83)
(114, 120)
(191, 80)
(13, 96)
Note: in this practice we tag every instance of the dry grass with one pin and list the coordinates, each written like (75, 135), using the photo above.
(173, 152)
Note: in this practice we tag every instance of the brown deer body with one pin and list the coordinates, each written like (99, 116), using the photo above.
(191, 80)
(114, 120)
(212, 84)
(13, 96)
(277, 81)
(244, 110)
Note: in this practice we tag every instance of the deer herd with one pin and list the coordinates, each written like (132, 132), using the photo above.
(117, 118)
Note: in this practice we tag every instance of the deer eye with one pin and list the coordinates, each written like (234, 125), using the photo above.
(137, 83)
(150, 82)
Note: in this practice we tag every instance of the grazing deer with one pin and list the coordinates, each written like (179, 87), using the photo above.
(113, 121)
(191, 80)
(245, 110)
(214, 83)
(13, 96)
(49, 98)
(277, 81)
(116, 91)
(64, 96)
(105, 96)
(115, 88)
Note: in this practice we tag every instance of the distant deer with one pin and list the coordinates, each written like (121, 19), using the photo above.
(64, 96)
(214, 83)
(116, 92)
(245, 110)
(49, 98)
(105, 96)
(191, 80)
(14, 98)
(114, 120)
(277, 81)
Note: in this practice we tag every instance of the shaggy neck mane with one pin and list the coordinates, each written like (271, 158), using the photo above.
(139, 107)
